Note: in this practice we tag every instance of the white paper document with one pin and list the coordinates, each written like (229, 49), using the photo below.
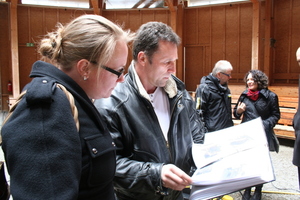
(231, 159)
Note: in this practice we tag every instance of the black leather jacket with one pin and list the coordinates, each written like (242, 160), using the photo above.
(266, 107)
(214, 104)
(141, 147)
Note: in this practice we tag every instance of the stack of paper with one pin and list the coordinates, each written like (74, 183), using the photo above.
(230, 160)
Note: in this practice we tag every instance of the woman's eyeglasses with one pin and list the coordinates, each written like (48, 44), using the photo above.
(118, 73)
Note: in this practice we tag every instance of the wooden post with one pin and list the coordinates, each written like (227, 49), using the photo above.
(180, 64)
(97, 6)
(173, 14)
(255, 34)
(14, 51)
(267, 43)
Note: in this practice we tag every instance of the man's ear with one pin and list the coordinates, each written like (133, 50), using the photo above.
(83, 67)
(142, 58)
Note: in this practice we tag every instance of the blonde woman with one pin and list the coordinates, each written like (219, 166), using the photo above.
(48, 156)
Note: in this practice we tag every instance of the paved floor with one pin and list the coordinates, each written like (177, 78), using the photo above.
(285, 187)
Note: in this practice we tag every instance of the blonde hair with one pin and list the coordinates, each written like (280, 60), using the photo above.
(90, 37)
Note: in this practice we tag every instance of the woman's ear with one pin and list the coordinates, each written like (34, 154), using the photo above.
(83, 67)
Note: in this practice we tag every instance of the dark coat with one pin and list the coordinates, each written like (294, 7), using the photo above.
(213, 103)
(266, 107)
(296, 125)
(46, 157)
(141, 147)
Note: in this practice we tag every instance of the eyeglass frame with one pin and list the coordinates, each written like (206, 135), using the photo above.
(228, 75)
(118, 73)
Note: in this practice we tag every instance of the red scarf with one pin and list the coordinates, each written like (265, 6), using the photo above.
(253, 95)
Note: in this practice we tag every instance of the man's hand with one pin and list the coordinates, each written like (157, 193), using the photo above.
(174, 178)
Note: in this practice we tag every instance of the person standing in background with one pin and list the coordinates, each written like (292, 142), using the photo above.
(258, 101)
(51, 150)
(296, 125)
(153, 120)
(213, 97)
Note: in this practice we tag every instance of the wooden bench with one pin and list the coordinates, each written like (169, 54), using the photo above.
(288, 104)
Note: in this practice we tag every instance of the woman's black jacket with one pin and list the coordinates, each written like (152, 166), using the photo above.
(46, 157)
(266, 107)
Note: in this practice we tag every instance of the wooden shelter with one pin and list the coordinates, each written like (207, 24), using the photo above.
(254, 34)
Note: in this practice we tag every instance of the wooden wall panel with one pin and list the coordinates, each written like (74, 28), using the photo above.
(134, 20)
(218, 33)
(27, 56)
(23, 25)
(194, 66)
(245, 41)
(121, 18)
(50, 22)
(295, 36)
(286, 34)
(282, 43)
(36, 24)
(5, 66)
(65, 15)
(232, 30)
(191, 26)
(204, 24)
(162, 16)
(225, 32)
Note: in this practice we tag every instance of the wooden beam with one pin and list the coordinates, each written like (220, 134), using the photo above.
(14, 50)
(173, 14)
(150, 3)
(268, 36)
(180, 64)
(97, 6)
(255, 34)
(138, 3)
(170, 5)
(19, 1)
